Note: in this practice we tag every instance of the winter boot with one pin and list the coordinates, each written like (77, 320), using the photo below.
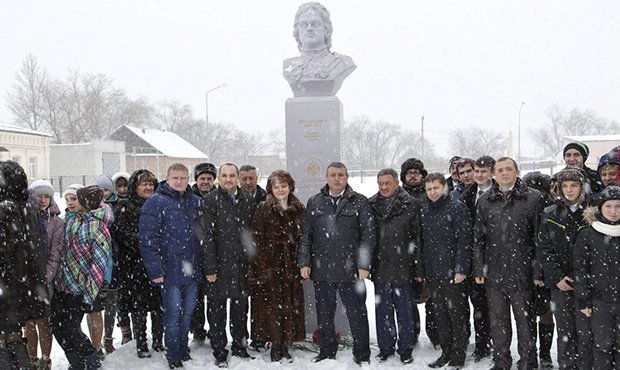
(6, 362)
(275, 353)
(92, 361)
(126, 330)
(285, 355)
(157, 331)
(545, 336)
(17, 350)
(76, 361)
(108, 345)
(45, 364)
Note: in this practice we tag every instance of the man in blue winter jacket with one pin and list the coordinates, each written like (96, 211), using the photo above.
(169, 248)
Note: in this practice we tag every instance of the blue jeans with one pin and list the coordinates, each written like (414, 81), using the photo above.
(179, 302)
(394, 298)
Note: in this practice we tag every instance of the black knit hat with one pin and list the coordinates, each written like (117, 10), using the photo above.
(90, 197)
(580, 147)
(611, 192)
(409, 164)
(204, 168)
(537, 180)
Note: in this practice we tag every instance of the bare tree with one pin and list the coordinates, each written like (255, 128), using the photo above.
(80, 108)
(475, 142)
(573, 123)
(170, 114)
(246, 145)
(26, 100)
(374, 145)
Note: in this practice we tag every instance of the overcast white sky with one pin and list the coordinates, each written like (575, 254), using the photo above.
(458, 63)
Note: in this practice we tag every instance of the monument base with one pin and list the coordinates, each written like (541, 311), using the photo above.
(312, 143)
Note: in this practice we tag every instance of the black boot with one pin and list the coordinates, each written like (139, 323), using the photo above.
(275, 353)
(17, 350)
(285, 355)
(545, 336)
(157, 330)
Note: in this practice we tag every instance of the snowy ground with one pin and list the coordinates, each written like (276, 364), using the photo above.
(202, 357)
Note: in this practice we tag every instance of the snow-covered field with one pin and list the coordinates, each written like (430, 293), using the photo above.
(202, 357)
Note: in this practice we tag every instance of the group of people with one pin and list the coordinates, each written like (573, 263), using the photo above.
(131, 246)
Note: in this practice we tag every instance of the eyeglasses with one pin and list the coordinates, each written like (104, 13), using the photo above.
(413, 173)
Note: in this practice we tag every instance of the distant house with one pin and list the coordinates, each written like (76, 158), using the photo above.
(27, 147)
(81, 163)
(156, 150)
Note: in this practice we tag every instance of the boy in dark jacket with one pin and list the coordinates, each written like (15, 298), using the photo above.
(597, 273)
(445, 263)
(397, 215)
(483, 181)
(560, 225)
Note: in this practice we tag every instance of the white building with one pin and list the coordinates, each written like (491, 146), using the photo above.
(27, 147)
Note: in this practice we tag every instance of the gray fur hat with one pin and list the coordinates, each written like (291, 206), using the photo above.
(39, 187)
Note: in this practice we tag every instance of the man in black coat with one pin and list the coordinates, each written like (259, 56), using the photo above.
(336, 248)
(397, 216)
(484, 168)
(204, 175)
(224, 219)
(505, 261)
(248, 182)
(412, 174)
(445, 261)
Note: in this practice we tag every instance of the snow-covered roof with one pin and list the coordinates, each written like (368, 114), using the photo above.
(168, 143)
(594, 138)
(21, 130)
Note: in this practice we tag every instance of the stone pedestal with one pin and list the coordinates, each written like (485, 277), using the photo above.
(312, 143)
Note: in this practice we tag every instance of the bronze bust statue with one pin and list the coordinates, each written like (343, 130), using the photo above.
(317, 71)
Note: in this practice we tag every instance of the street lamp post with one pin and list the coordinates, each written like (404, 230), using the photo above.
(207, 101)
(519, 143)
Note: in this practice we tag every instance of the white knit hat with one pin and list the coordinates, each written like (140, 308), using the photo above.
(72, 189)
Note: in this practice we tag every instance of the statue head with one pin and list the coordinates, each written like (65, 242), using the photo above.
(300, 24)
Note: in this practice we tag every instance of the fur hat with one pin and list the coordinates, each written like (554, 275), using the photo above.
(570, 174)
(204, 168)
(72, 189)
(90, 197)
(409, 164)
(39, 187)
(538, 181)
(120, 175)
(611, 192)
(580, 147)
(105, 183)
